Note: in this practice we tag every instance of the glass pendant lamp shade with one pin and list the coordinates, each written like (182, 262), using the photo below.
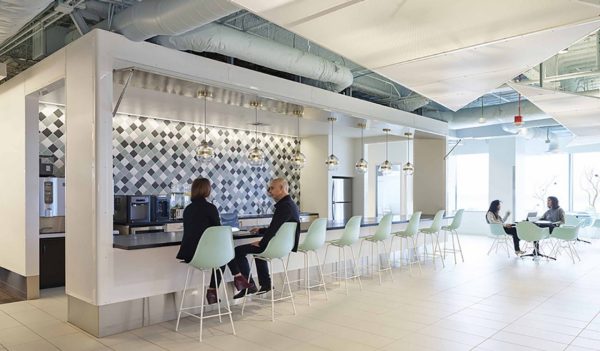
(386, 166)
(408, 167)
(256, 157)
(205, 152)
(298, 159)
(362, 166)
(332, 162)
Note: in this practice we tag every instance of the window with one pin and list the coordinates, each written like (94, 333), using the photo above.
(471, 181)
(586, 181)
(540, 176)
(389, 191)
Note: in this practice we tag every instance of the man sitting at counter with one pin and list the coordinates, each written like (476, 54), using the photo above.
(286, 210)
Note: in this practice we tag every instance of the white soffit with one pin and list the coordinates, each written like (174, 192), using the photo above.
(578, 113)
(450, 51)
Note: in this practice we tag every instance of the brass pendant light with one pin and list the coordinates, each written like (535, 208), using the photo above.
(386, 166)
(256, 158)
(408, 167)
(362, 165)
(205, 152)
(332, 162)
(298, 159)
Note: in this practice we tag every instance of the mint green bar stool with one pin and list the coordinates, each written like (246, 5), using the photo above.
(383, 233)
(565, 239)
(434, 233)
(452, 228)
(214, 250)
(279, 247)
(410, 236)
(500, 238)
(314, 240)
(349, 238)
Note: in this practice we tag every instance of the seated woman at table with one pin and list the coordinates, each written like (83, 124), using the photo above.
(493, 216)
(555, 213)
(197, 217)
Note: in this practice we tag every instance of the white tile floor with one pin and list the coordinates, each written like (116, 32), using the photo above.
(486, 303)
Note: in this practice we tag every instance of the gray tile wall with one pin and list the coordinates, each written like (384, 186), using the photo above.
(149, 155)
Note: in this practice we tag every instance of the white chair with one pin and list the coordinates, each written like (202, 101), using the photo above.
(410, 236)
(349, 237)
(452, 228)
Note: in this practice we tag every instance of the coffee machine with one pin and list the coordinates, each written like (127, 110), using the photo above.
(52, 205)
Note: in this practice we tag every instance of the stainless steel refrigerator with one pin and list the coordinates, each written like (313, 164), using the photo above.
(341, 199)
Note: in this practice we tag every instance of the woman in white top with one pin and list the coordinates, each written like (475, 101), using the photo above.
(493, 216)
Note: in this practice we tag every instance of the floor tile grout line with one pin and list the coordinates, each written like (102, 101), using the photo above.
(522, 315)
(583, 329)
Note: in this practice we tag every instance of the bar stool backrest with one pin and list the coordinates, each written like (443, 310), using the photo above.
(384, 229)
(351, 231)
(413, 224)
(214, 249)
(457, 220)
(572, 220)
(436, 225)
(282, 243)
(316, 235)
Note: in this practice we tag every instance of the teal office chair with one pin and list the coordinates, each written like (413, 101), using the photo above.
(214, 250)
(313, 241)
(383, 233)
(434, 233)
(410, 236)
(530, 232)
(452, 228)
(571, 220)
(565, 239)
(349, 238)
(500, 238)
(279, 247)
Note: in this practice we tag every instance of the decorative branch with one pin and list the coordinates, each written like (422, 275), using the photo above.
(541, 192)
(590, 184)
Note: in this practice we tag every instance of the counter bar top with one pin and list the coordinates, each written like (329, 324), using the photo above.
(152, 240)
(242, 216)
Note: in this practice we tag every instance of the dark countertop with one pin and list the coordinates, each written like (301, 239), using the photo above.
(244, 216)
(152, 240)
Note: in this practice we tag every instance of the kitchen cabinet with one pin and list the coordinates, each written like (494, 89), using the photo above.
(52, 262)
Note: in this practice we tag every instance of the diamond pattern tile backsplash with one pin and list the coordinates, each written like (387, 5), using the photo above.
(52, 135)
(149, 155)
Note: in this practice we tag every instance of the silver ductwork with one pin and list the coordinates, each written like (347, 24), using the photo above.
(230, 42)
(15, 14)
(155, 17)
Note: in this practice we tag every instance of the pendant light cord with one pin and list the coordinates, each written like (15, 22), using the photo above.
(256, 125)
(519, 104)
(205, 95)
(386, 145)
(332, 136)
(298, 132)
(362, 141)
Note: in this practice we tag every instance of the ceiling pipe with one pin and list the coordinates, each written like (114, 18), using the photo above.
(230, 42)
(150, 18)
(493, 114)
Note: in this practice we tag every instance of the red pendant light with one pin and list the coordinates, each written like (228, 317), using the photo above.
(518, 118)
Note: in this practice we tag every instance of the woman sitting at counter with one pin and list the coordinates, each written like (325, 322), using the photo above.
(197, 217)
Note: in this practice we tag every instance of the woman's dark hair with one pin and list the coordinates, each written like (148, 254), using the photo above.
(494, 208)
(200, 188)
(554, 201)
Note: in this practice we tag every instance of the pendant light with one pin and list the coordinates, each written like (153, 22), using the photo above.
(386, 166)
(256, 158)
(298, 159)
(332, 162)
(408, 168)
(481, 119)
(205, 152)
(362, 165)
(518, 118)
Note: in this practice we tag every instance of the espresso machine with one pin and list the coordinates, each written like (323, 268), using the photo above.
(52, 205)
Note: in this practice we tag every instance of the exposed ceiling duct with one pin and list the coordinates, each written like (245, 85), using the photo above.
(155, 17)
(230, 42)
(17, 13)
